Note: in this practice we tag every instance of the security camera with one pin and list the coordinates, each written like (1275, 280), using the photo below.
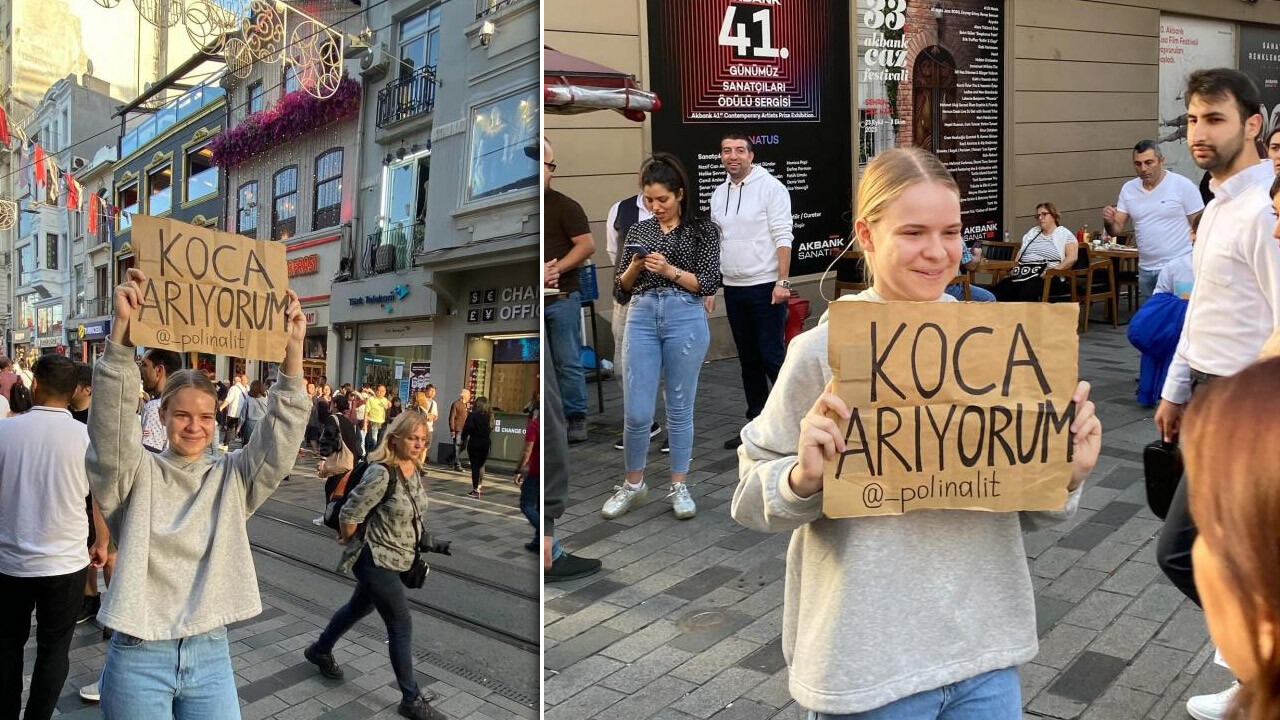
(486, 32)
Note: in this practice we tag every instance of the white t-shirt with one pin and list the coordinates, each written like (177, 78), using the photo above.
(1038, 247)
(44, 530)
(1160, 217)
(1177, 277)
(4, 407)
(431, 409)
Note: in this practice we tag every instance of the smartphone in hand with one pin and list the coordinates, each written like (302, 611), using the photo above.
(637, 249)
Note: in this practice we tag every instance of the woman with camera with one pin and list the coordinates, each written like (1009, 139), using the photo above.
(381, 525)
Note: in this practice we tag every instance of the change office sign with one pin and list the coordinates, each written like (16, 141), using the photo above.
(776, 71)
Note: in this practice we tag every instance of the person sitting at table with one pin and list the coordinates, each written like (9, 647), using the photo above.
(1046, 246)
(970, 260)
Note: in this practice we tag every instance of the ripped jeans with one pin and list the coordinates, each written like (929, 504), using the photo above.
(667, 336)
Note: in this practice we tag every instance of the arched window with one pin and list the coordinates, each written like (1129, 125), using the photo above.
(284, 203)
(328, 194)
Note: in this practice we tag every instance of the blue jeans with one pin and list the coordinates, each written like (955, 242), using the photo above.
(1147, 280)
(996, 695)
(667, 336)
(564, 333)
(529, 503)
(380, 589)
(757, 325)
(976, 294)
(186, 679)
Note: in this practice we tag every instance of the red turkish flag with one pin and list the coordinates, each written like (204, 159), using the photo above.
(39, 166)
(93, 214)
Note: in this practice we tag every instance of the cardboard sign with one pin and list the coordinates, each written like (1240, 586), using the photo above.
(209, 291)
(957, 406)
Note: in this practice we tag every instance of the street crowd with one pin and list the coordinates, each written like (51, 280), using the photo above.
(151, 479)
(962, 576)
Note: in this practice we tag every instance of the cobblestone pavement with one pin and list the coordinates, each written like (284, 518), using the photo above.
(273, 679)
(685, 620)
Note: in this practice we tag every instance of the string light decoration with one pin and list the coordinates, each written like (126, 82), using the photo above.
(108, 4)
(8, 214)
(264, 30)
(315, 50)
(209, 22)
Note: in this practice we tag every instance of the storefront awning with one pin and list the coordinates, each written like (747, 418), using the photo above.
(572, 85)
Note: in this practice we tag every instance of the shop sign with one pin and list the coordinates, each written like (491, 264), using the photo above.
(305, 265)
(22, 336)
(310, 317)
(399, 292)
(94, 331)
(48, 342)
(509, 303)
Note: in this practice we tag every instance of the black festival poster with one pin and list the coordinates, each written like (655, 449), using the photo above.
(931, 75)
(777, 71)
(1260, 60)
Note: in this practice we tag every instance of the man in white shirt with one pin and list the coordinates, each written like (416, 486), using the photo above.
(432, 410)
(1162, 205)
(626, 212)
(44, 552)
(1235, 302)
(234, 406)
(156, 367)
(753, 210)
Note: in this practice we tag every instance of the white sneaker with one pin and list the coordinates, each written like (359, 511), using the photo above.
(681, 502)
(623, 500)
(89, 693)
(1212, 707)
(318, 521)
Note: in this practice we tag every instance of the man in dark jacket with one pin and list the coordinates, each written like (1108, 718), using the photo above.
(457, 418)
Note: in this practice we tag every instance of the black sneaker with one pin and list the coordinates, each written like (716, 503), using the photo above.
(420, 709)
(89, 609)
(328, 666)
(571, 567)
(618, 445)
(733, 442)
(666, 446)
(654, 430)
(533, 546)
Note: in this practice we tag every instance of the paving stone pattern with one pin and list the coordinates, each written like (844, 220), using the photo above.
(686, 619)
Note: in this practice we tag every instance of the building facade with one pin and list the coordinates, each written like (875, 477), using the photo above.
(1082, 82)
(46, 273)
(444, 286)
(92, 282)
(300, 192)
(166, 170)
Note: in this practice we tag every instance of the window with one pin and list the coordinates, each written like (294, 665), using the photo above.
(160, 190)
(420, 41)
(328, 194)
(284, 203)
(50, 251)
(247, 209)
(127, 200)
(26, 218)
(104, 217)
(100, 282)
(27, 264)
(254, 97)
(77, 286)
(291, 78)
(66, 130)
(201, 175)
(500, 131)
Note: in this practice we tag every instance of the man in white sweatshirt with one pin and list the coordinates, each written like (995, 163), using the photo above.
(753, 210)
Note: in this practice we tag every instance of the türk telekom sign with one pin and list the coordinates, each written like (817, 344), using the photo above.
(777, 71)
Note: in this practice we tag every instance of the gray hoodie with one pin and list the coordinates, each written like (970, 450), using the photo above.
(880, 608)
(184, 566)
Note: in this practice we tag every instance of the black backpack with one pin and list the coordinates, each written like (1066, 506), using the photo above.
(338, 497)
(20, 397)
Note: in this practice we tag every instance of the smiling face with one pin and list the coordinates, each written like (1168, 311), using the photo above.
(663, 202)
(736, 158)
(915, 245)
(189, 419)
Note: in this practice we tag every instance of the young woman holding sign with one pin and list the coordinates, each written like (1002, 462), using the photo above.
(179, 520)
(923, 615)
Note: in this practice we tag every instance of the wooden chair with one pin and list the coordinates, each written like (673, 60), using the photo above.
(963, 280)
(1071, 291)
(1002, 252)
(1127, 281)
(1099, 286)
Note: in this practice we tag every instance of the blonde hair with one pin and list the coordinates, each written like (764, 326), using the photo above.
(887, 177)
(401, 428)
(183, 379)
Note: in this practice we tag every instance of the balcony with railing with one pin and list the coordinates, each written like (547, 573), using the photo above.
(407, 96)
(488, 7)
(91, 307)
(392, 249)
